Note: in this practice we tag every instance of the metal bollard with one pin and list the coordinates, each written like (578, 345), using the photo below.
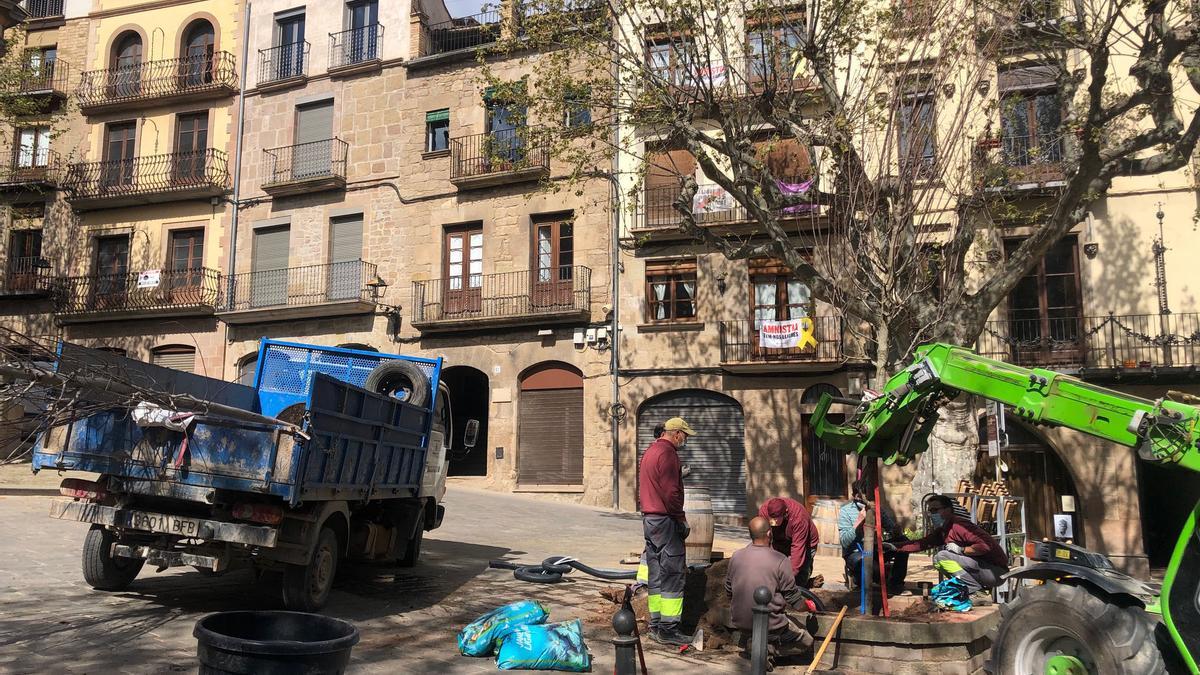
(758, 635)
(624, 622)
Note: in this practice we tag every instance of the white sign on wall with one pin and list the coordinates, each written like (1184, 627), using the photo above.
(149, 279)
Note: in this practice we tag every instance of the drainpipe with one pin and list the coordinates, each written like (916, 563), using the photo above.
(615, 341)
(237, 165)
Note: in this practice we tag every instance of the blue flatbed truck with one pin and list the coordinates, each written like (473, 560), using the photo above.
(342, 454)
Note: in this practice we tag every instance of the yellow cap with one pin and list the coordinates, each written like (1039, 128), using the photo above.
(677, 424)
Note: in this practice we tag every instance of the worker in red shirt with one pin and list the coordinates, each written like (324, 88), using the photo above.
(660, 492)
(969, 556)
(793, 534)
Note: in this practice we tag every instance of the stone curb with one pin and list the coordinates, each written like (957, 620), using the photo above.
(28, 491)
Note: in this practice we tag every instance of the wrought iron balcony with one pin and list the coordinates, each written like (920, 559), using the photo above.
(146, 180)
(282, 64)
(184, 79)
(712, 206)
(31, 170)
(307, 167)
(468, 32)
(154, 294)
(43, 9)
(509, 298)
(299, 292)
(1097, 344)
(354, 48)
(28, 276)
(49, 78)
(1015, 162)
(508, 156)
(741, 347)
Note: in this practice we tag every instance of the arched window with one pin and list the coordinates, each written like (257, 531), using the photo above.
(196, 53)
(245, 369)
(179, 357)
(125, 78)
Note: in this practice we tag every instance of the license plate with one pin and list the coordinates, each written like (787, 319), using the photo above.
(157, 522)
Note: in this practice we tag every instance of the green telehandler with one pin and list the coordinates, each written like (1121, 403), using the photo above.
(1080, 615)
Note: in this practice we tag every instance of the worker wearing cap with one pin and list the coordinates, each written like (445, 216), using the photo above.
(660, 493)
(792, 534)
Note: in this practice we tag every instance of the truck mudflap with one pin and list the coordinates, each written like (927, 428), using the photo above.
(163, 523)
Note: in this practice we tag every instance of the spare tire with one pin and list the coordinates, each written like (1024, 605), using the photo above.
(397, 376)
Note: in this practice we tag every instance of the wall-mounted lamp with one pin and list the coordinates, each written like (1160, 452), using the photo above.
(1091, 248)
(721, 285)
(377, 286)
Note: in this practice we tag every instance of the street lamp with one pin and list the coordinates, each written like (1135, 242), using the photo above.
(377, 286)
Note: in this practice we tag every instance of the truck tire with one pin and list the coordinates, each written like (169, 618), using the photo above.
(101, 570)
(412, 552)
(306, 587)
(396, 376)
(1073, 626)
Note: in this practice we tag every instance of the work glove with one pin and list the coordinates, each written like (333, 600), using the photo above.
(953, 548)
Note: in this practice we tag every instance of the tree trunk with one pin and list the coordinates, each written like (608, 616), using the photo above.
(952, 455)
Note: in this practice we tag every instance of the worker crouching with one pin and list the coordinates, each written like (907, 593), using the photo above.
(761, 565)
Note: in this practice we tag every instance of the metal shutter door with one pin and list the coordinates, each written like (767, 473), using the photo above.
(177, 359)
(716, 454)
(314, 122)
(551, 437)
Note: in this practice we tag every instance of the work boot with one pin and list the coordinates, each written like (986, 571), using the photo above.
(670, 636)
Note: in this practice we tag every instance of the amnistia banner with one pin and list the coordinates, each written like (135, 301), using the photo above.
(787, 334)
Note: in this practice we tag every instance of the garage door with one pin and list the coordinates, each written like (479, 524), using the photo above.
(716, 455)
(550, 426)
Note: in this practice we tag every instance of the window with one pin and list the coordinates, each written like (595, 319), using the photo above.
(672, 61)
(1044, 308)
(24, 259)
(437, 130)
(665, 168)
(776, 295)
(554, 260)
(670, 290)
(199, 43)
(177, 357)
(39, 68)
(33, 147)
(915, 137)
(185, 259)
(1031, 113)
(112, 272)
(289, 45)
(245, 369)
(578, 114)
(126, 77)
(462, 268)
(363, 42)
(119, 139)
(773, 54)
(191, 141)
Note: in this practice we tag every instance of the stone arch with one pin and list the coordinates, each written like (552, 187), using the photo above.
(1042, 474)
(246, 367)
(127, 49)
(470, 391)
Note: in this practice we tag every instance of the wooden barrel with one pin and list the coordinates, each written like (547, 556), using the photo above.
(824, 515)
(697, 505)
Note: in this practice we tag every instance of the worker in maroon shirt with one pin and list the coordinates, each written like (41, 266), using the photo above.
(969, 556)
(793, 534)
(660, 492)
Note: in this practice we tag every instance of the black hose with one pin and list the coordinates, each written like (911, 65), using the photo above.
(552, 569)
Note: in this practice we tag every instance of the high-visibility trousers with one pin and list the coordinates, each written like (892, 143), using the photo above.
(666, 567)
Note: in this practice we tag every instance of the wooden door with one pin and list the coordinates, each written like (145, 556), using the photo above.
(185, 266)
(364, 19)
(119, 144)
(125, 80)
(290, 41)
(196, 70)
(24, 257)
(462, 268)
(191, 142)
(554, 260)
(112, 272)
(1045, 313)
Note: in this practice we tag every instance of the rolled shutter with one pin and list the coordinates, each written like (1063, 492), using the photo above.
(346, 243)
(178, 358)
(314, 122)
(271, 248)
(551, 435)
(716, 455)
(1029, 77)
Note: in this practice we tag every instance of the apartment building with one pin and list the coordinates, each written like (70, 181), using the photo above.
(393, 202)
(120, 191)
(1094, 307)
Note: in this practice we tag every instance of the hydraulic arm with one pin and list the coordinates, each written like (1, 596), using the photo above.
(896, 425)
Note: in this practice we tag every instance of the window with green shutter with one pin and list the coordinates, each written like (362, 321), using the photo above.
(437, 130)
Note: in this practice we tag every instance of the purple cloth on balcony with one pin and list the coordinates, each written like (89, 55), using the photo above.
(797, 189)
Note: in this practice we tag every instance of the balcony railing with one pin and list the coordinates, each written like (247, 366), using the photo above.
(467, 32)
(28, 275)
(148, 179)
(740, 343)
(191, 77)
(282, 63)
(1013, 160)
(507, 297)
(1125, 341)
(712, 205)
(32, 168)
(169, 293)
(499, 156)
(357, 45)
(298, 287)
(43, 9)
(305, 166)
(45, 77)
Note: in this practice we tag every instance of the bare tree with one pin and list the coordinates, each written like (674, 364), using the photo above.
(909, 124)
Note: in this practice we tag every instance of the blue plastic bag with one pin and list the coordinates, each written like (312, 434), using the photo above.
(551, 646)
(480, 636)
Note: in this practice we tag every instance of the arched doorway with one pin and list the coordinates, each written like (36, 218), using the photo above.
(197, 51)
(126, 77)
(1168, 495)
(716, 455)
(1036, 473)
(469, 391)
(550, 426)
(824, 466)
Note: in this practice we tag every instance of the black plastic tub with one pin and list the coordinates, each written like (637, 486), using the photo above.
(273, 642)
